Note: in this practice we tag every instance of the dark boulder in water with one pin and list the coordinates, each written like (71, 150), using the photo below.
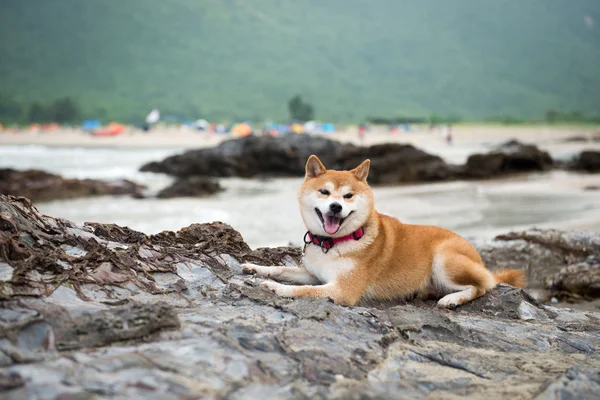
(509, 158)
(41, 186)
(191, 186)
(588, 161)
(391, 163)
(253, 156)
(395, 163)
(576, 139)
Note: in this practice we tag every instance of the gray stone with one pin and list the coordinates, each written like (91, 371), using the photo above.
(171, 316)
(576, 383)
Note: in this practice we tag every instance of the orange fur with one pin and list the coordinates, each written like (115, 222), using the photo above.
(392, 260)
(512, 277)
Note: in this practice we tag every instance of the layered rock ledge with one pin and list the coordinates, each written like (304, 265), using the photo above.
(102, 311)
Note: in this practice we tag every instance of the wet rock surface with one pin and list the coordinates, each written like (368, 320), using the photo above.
(102, 311)
(251, 156)
(391, 163)
(192, 186)
(43, 186)
(509, 158)
(588, 161)
(394, 163)
(594, 137)
(286, 156)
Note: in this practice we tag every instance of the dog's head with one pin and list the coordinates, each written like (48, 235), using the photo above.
(335, 203)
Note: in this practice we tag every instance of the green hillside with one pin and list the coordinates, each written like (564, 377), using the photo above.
(232, 59)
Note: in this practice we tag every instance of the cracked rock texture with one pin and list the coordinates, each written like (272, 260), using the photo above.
(102, 311)
(557, 263)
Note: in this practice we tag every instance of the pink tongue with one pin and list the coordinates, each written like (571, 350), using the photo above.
(331, 224)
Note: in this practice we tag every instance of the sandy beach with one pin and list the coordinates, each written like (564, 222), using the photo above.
(464, 136)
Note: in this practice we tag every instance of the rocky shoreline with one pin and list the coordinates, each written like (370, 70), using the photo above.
(196, 171)
(101, 311)
(42, 186)
(391, 163)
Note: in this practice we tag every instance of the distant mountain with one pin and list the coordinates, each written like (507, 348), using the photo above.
(232, 59)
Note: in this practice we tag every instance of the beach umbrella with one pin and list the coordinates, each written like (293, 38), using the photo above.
(242, 129)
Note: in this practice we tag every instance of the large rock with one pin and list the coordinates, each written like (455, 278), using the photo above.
(556, 263)
(575, 383)
(192, 186)
(588, 161)
(391, 163)
(582, 279)
(43, 186)
(102, 311)
(286, 156)
(251, 156)
(511, 157)
(394, 163)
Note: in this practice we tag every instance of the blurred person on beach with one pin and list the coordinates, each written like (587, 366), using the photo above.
(448, 129)
(362, 130)
(152, 118)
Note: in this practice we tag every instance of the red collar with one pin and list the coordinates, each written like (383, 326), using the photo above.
(326, 242)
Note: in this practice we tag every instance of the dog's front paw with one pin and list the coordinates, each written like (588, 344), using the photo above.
(249, 268)
(278, 288)
(445, 303)
(451, 301)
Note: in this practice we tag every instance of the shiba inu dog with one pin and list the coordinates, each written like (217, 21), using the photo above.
(354, 252)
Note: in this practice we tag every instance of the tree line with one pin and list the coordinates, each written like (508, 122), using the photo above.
(62, 110)
(65, 110)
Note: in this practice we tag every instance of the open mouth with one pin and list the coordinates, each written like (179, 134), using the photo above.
(331, 223)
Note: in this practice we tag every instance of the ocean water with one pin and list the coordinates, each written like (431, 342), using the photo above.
(266, 212)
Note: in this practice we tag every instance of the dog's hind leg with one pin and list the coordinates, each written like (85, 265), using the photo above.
(290, 274)
(460, 277)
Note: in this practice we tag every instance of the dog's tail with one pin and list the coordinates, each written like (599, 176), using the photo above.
(512, 277)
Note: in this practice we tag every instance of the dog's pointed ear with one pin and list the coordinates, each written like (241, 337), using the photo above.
(362, 171)
(314, 167)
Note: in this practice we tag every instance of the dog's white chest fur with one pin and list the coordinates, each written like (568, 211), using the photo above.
(327, 267)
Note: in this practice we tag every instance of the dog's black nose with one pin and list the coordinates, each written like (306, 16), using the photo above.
(335, 207)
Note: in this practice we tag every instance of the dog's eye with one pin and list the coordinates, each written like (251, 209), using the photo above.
(348, 196)
(324, 191)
